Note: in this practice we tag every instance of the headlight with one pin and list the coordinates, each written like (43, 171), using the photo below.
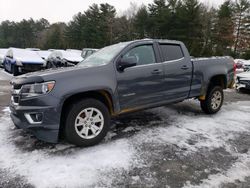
(19, 63)
(33, 90)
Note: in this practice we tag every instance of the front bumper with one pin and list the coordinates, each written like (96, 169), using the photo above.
(47, 128)
(25, 68)
(245, 84)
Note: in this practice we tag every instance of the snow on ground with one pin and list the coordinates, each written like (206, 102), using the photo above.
(4, 75)
(81, 167)
(101, 165)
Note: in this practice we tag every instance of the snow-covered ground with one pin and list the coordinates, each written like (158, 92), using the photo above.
(4, 75)
(167, 140)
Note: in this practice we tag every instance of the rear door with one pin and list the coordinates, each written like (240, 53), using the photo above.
(178, 71)
(142, 84)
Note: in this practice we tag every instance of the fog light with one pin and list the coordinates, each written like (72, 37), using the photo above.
(34, 118)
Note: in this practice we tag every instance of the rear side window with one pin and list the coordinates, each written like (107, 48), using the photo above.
(171, 52)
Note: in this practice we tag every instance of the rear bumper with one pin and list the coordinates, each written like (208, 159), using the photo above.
(46, 129)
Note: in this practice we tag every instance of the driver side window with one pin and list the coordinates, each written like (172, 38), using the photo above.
(144, 54)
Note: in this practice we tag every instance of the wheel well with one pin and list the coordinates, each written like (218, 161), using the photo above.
(218, 80)
(100, 95)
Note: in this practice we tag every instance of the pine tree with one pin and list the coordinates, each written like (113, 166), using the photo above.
(224, 29)
(141, 22)
(242, 24)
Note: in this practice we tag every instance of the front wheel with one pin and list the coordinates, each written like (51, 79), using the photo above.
(214, 100)
(87, 122)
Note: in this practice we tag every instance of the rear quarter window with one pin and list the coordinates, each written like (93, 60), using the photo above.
(171, 52)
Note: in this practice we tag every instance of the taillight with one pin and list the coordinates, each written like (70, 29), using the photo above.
(235, 67)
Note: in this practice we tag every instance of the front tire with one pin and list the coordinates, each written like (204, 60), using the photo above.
(87, 122)
(214, 100)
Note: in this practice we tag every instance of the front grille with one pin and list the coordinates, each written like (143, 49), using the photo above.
(31, 67)
(246, 82)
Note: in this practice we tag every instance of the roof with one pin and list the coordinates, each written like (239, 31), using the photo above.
(26, 55)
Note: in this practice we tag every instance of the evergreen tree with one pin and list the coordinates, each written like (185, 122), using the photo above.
(242, 23)
(55, 39)
(189, 26)
(141, 22)
(159, 15)
(224, 29)
(107, 17)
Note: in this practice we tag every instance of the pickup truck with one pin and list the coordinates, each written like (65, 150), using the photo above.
(78, 102)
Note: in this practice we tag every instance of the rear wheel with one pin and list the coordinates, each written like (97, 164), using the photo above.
(214, 100)
(87, 122)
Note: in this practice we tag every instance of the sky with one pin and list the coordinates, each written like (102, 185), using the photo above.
(62, 10)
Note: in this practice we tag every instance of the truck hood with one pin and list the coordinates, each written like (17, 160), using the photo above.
(49, 74)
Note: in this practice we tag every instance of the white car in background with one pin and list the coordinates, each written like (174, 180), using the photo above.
(246, 65)
(44, 54)
(3, 52)
(32, 49)
(62, 58)
(242, 64)
(87, 52)
(79, 52)
(243, 80)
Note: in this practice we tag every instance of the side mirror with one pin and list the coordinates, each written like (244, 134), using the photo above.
(127, 62)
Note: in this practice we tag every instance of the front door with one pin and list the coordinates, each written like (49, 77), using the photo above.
(141, 84)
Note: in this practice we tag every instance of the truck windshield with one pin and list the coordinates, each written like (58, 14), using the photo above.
(103, 56)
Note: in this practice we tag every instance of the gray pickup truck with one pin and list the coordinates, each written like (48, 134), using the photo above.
(78, 102)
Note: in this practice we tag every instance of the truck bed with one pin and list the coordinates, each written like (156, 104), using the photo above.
(205, 68)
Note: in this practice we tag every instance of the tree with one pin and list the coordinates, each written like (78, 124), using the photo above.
(225, 29)
(242, 23)
(107, 17)
(208, 21)
(74, 32)
(141, 22)
(188, 25)
(159, 15)
(55, 39)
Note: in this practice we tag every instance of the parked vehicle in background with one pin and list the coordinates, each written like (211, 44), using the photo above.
(19, 61)
(79, 101)
(243, 80)
(246, 65)
(87, 52)
(239, 63)
(79, 52)
(44, 54)
(32, 49)
(62, 58)
(242, 64)
(2, 55)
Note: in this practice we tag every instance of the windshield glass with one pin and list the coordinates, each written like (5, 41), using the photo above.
(103, 56)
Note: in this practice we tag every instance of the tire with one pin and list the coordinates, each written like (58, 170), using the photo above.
(80, 125)
(14, 70)
(214, 100)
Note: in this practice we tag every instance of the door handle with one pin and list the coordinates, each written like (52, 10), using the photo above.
(184, 67)
(156, 71)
